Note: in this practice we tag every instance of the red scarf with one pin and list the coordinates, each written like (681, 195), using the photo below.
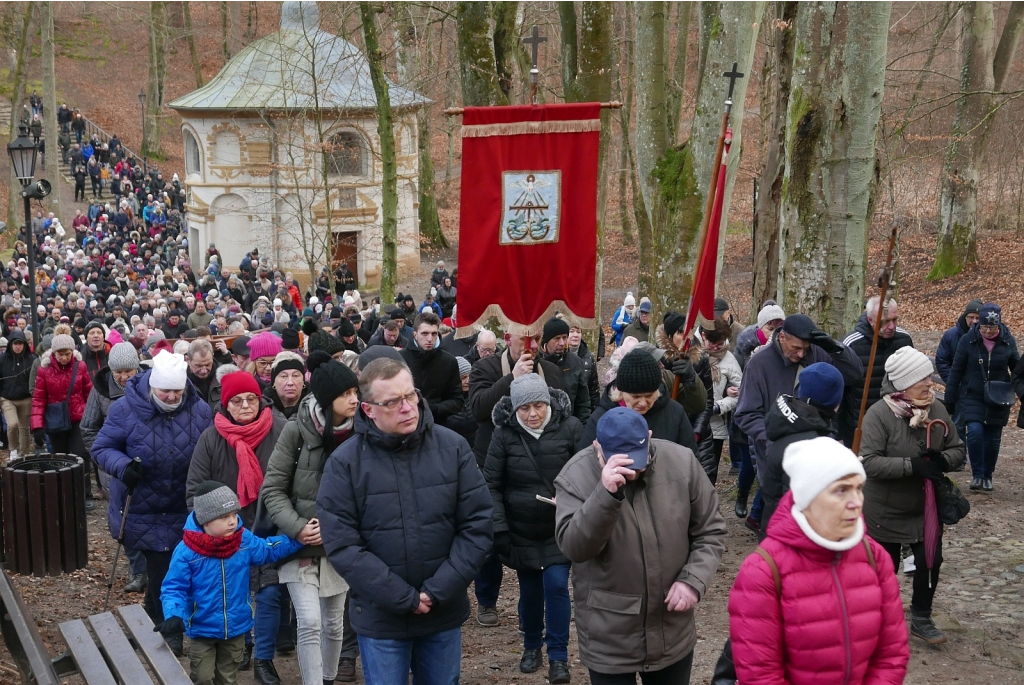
(209, 546)
(243, 440)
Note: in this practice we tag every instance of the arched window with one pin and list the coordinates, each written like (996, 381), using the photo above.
(225, 149)
(193, 163)
(346, 155)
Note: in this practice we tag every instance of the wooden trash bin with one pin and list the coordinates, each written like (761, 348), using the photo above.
(44, 526)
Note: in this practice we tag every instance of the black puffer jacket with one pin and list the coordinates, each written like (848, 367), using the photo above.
(859, 341)
(702, 421)
(574, 377)
(401, 515)
(666, 419)
(436, 375)
(789, 420)
(590, 366)
(518, 468)
(972, 366)
(15, 370)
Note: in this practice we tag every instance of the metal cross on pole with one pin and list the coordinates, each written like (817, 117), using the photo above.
(732, 76)
(534, 42)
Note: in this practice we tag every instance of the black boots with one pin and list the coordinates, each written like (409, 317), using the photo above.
(922, 626)
(246, 658)
(558, 672)
(264, 673)
(531, 661)
(975, 484)
(741, 505)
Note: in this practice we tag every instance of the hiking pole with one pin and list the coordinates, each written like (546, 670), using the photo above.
(120, 544)
(883, 286)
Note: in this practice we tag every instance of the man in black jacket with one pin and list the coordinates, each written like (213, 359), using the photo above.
(15, 398)
(554, 342)
(94, 350)
(435, 373)
(890, 339)
(406, 518)
(490, 380)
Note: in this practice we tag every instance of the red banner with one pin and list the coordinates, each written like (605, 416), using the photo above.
(528, 220)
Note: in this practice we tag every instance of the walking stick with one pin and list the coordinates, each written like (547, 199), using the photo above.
(883, 286)
(120, 544)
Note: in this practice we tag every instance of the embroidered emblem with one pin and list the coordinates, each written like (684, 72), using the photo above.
(532, 202)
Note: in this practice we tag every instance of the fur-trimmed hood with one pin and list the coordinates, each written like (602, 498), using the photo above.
(663, 342)
(45, 359)
(504, 415)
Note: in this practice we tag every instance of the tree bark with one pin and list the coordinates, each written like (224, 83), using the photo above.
(225, 37)
(570, 49)
(625, 95)
(50, 106)
(775, 85)
(506, 46)
(831, 169)
(678, 80)
(476, 56)
(15, 209)
(958, 203)
(155, 83)
(190, 38)
(386, 133)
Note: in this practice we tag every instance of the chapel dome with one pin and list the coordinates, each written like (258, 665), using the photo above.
(279, 71)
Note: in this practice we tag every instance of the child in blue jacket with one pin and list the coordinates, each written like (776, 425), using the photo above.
(205, 593)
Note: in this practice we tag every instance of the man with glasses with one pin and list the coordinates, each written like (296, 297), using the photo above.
(435, 373)
(890, 339)
(406, 519)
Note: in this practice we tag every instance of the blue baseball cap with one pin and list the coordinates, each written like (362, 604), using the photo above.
(624, 431)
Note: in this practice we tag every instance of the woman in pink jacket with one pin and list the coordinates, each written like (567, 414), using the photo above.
(818, 602)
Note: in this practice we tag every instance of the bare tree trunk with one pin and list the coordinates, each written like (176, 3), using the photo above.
(678, 80)
(190, 38)
(958, 203)
(19, 80)
(225, 30)
(50, 106)
(386, 133)
(831, 169)
(476, 56)
(155, 84)
(570, 49)
(625, 95)
(775, 88)
(506, 45)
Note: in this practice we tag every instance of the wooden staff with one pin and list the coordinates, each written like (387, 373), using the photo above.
(883, 286)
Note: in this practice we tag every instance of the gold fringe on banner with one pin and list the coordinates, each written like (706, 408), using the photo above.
(518, 329)
(528, 127)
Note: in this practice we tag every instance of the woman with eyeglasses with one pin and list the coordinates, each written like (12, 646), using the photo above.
(235, 451)
(979, 386)
(263, 349)
(325, 419)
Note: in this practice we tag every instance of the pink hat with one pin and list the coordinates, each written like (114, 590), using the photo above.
(264, 345)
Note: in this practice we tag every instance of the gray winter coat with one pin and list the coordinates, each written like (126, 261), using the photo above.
(104, 392)
(893, 496)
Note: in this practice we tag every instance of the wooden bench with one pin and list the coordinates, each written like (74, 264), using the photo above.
(104, 655)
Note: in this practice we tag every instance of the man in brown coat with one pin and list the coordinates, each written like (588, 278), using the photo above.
(635, 583)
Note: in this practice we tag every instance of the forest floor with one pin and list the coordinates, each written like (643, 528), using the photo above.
(980, 598)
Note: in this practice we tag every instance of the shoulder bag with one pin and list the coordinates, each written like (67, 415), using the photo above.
(998, 394)
(57, 415)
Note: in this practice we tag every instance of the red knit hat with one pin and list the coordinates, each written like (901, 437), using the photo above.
(236, 383)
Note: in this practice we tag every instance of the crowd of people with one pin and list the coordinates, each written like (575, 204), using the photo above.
(322, 474)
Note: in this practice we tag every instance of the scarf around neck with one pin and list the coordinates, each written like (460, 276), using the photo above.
(536, 432)
(835, 545)
(209, 546)
(906, 408)
(244, 440)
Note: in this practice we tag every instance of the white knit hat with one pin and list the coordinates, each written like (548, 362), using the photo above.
(770, 312)
(169, 372)
(630, 301)
(813, 465)
(907, 366)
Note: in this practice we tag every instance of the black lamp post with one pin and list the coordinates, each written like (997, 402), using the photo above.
(142, 105)
(23, 160)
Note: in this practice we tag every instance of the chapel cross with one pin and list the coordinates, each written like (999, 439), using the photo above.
(732, 76)
(534, 42)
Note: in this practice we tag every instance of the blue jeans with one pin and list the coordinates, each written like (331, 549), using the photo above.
(488, 582)
(983, 447)
(268, 620)
(757, 506)
(546, 590)
(434, 659)
(136, 561)
(746, 477)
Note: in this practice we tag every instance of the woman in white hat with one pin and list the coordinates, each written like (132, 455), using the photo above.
(818, 601)
(893, 447)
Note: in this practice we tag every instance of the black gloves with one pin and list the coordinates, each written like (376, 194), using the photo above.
(683, 368)
(39, 435)
(131, 475)
(824, 341)
(502, 544)
(170, 627)
(925, 468)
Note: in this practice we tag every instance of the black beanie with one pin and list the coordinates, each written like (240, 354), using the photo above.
(284, 361)
(289, 339)
(674, 322)
(325, 342)
(638, 373)
(553, 328)
(799, 326)
(328, 380)
(346, 329)
(973, 307)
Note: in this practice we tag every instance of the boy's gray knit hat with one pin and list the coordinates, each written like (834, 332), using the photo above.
(213, 500)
